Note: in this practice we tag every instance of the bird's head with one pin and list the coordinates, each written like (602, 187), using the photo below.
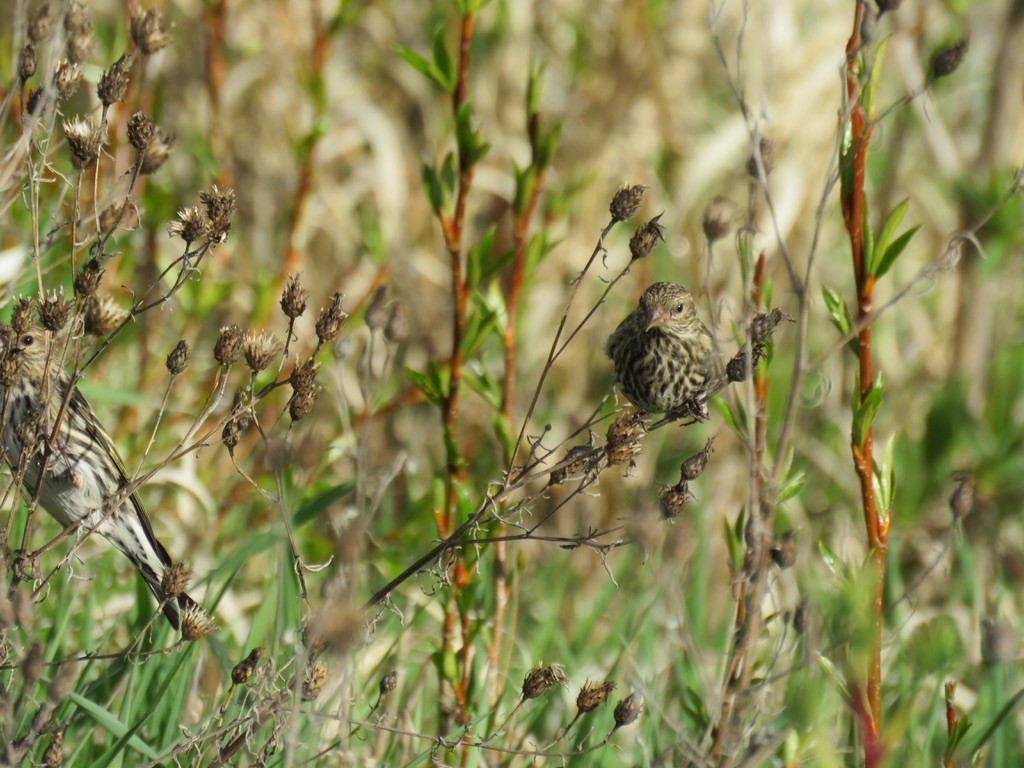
(666, 305)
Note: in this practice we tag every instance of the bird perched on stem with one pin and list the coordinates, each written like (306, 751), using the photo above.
(663, 353)
(54, 442)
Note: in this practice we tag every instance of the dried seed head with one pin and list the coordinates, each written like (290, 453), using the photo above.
(191, 225)
(693, 466)
(961, 501)
(88, 279)
(195, 624)
(53, 757)
(540, 679)
(10, 372)
(628, 710)
(766, 151)
(674, 500)
(78, 25)
(54, 310)
(260, 350)
(140, 130)
(625, 438)
(27, 62)
(66, 79)
(114, 82)
(240, 421)
(626, 202)
(397, 328)
(246, 668)
(328, 324)
(304, 390)
(79, 47)
(177, 361)
(220, 208)
(580, 461)
(293, 298)
(763, 326)
(103, 316)
(717, 219)
(175, 579)
(229, 345)
(149, 31)
(388, 683)
(85, 136)
(119, 216)
(593, 695)
(784, 550)
(646, 237)
(376, 315)
(948, 60)
(21, 315)
(314, 682)
(157, 152)
(40, 24)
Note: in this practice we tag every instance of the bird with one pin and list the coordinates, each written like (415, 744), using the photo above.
(83, 475)
(662, 353)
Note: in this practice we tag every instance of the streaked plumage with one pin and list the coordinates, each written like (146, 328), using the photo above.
(662, 351)
(85, 476)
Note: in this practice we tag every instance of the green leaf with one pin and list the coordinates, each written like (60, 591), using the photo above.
(953, 740)
(865, 408)
(891, 224)
(526, 180)
(482, 383)
(434, 188)
(479, 258)
(472, 147)
(111, 723)
(829, 558)
(545, 146)
(893, 251)
(867, 245)
(791, 487)
(868, 99)
(443, 63)
(433, 384)
(840, 315)
(429, 69)
(734, 540)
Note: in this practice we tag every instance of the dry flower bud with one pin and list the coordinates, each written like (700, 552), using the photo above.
(177, 361)
(628, 710)
(114, 82)
(40, 24)
(53, 757)
(646, 237)
(103, 316)
(304, 390)
(27, 62)
(260, 350)
(784, 551)
(293, 298)
(175, 579)
(79, 47)
(693, 466)
(220, 208)
(149, 31)
(85, 137)
(195, 624)
(948, 60)
(388, 683)
(328, 324)
(674, 500)
(66, 79)
(763, 326)
(88, 279)
(240, 421)
(157, 152)
(593, 695)
(376, 315)
(766, 150)
(397, 328)
(191, 225)
(78, 25)
(229, 345)
(244, 670)
(625, 438)
(21, 315)
(314, 682)
(540, 679)
(140, 130)
(717, 219)
(54, 310)
(626, 202)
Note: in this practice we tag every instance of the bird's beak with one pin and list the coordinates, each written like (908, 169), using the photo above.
(655, 318)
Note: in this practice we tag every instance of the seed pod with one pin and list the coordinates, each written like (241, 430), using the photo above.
(626, 202)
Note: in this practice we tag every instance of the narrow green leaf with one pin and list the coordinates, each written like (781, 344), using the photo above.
(443, 64)
(425, 67)
(891, 224)
(876, 73)
(865, 409)
(792, 486)
(111, 723)
(893, 251)
(867, 245)
(434, 188)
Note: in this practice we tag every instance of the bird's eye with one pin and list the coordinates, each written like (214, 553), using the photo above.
(27, 339)
(678, 309)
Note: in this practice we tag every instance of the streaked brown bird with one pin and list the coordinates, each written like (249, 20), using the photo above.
(84, 481)
(663, 353)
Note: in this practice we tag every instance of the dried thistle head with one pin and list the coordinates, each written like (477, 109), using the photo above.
(122, 215)
(717, 219)
(674, 499)
(692, 468)
(191, 225)
(220, 209)
(240, 421)
(54, 310)
(260, 350)
(149, 31)
(593, 695)
(625, 438)
(103, 316)
(628, 710)
(27, 62)
(157, 152)
(40, 24)
(388, 683)
(626, 202)
(645, 238)
(315, 681)
(229, 345)
(766, 151)
(376, 315)
(177, 361)
(140, 130)
(195, 623)
(66, 79)
(540, 679)
(948, 60)
(293, 298)
(114, 82)
(21, 315)
(304, 389)
(244, 670)
(78, 27)
(328, 324)
(175, 579)
(85, 137)
(53, 757)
